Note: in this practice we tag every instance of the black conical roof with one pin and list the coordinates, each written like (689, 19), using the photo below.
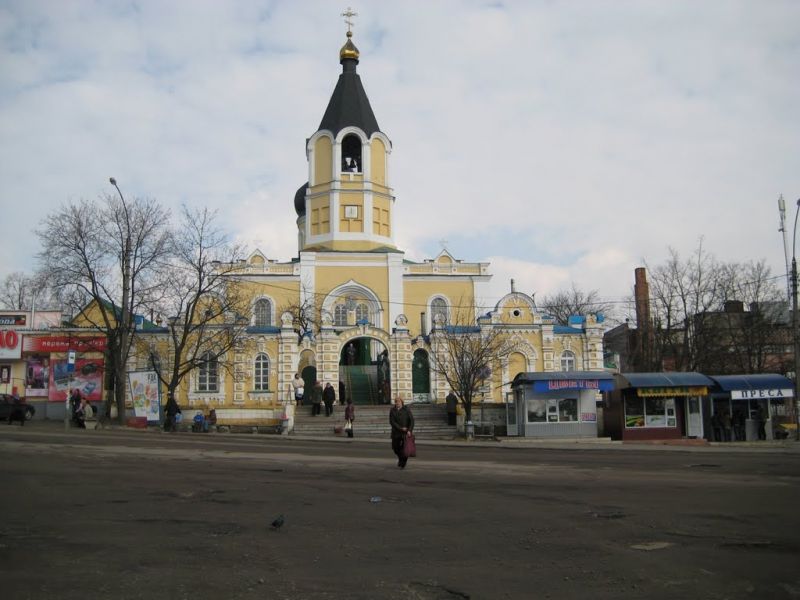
(300, 200)
(349, 105)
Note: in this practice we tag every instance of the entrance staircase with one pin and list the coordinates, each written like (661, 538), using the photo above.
(361, 381)
(430, 422)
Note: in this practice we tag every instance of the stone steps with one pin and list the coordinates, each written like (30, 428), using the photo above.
(430, 421)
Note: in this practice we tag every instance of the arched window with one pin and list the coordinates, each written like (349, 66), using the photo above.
(362, 312)
(567, 360)
(207, 378)
(439, 307)
(261, 373)
(351, 154)
(340, 315)
(262, 313)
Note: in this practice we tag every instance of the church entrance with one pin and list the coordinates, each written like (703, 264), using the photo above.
(365, 371)
(421, 376)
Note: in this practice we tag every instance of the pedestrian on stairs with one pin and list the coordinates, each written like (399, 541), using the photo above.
(452, 404)
(297, 385)
(349, 417)
(329, 397)
(316, 398)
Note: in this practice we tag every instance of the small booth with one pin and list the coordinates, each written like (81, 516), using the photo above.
(556, 405)
(751, 407)
(656, 406)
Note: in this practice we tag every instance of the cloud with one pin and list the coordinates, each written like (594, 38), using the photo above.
(563, 142)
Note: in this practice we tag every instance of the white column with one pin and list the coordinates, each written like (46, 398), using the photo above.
(396, 292)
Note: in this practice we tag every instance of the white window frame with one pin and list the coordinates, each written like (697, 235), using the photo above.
(362, 312)
(569, 360)
(269, 319)
(340, 315)
(208, 375)
(261, 372)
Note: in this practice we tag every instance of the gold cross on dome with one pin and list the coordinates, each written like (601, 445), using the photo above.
(349, 14)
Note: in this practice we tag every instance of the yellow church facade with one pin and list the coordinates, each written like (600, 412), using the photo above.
(375, 313)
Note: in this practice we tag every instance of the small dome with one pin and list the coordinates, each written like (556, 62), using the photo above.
(300, 200)
(349, 49)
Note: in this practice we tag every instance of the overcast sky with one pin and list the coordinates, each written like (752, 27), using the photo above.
(561, 141)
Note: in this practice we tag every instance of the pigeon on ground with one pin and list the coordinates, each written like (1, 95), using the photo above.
(277, 523)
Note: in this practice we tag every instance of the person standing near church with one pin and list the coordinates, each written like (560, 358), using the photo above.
(351, 354)
(329, 397)
(316, 399)
(297, 385)
(452, 404)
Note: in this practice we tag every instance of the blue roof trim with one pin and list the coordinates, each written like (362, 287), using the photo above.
(462, 329)
(763, 381)
(266, 329)
(566, 330)
(664, 379)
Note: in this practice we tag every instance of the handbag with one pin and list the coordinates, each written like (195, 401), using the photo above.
(348, 425)
(409, 446)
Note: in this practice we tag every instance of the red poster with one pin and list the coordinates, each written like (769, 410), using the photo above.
(87, 377)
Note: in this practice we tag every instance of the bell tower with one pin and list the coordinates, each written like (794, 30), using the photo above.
(347, 203)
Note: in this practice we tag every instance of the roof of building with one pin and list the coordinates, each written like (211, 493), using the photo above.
(562, 376)
(349, 105)
(664, 379)
(300, 200)
(761, 381)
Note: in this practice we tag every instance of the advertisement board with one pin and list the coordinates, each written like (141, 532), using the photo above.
(144, 394)
(87, 378)
(37, 376)
(10, 346)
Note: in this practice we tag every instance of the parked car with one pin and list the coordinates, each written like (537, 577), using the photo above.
(8, 404)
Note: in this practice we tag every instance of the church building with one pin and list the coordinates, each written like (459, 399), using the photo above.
(372, 313)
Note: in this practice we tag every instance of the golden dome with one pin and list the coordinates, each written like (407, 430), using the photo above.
(349, 50)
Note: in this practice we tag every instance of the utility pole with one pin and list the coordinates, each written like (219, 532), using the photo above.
(782, 229)
(796, 345)
(125, 309)
(795, 337)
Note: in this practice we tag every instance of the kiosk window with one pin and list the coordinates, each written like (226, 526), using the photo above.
(537, 410)
(649, 412)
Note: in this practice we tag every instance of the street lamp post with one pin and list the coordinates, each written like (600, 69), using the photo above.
(125, 312)
(795, 336)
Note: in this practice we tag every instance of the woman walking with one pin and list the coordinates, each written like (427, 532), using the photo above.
(349, 417)
(402, 422)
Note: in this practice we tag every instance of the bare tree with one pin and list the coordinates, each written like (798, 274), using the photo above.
(203, 301)
(464, 354)
(306, 315)
(717, 317)
(566, 303)
(682, 289)
(21, 291)
(752, 329)
(106, 252)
